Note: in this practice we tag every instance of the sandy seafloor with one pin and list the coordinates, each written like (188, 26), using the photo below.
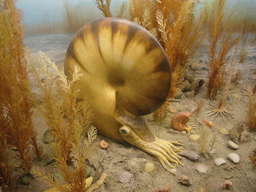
(119, 158)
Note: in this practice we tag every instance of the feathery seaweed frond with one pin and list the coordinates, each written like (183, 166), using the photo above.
(15, 87)
(104, 7)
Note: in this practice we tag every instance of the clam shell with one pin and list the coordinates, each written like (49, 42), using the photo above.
(149, 167)
(233, 157)
(224, 131)
(232, 145)
(219, 161)
(194, 137)
(202, 168)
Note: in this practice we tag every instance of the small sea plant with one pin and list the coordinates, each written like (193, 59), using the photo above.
(63, 114)
(68, 121)
(221, 108)
(252, 157)
(206, 148)
(218, 32)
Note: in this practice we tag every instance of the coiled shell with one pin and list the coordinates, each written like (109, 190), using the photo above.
(120, 62)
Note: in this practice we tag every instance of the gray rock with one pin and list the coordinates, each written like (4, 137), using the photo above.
(191, 155)
(124, 177)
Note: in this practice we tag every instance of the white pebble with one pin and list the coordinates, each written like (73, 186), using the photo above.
(233, 157)
(149, 167)
(224, 131)
(202, 168)
(219, 161)
(125, 177)
(194, 137)
(232, 145)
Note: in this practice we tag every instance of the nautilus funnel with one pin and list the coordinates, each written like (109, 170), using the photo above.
(118, 57)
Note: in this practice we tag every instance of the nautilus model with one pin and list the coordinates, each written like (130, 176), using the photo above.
(125, 75)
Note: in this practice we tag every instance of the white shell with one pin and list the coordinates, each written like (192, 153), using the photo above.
(233, 157)
(219, 161)
(202, 168)
(149, 167)
(224, 131)
(232, 145)
(194, 137)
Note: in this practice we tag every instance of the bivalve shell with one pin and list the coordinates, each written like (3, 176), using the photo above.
(224, 131)
(219, 161)
(194, 137)
(202, 168)
(232, 145)
(233, 157)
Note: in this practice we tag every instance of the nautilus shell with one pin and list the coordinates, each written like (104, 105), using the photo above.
(123, 65)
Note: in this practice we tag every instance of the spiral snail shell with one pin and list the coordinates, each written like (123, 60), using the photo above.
(125, 74)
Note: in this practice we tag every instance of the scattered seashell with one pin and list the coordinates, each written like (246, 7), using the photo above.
(191, 155)
(227, 184)
(232, 145)
(103, 144)
(162, 188)
(124, 177)
(239, 132)
(173, 171)
(208, 123)
(219, 161)
(245, 136)
(172, 109)
(149, 167)
(194, 137)
(224, 131)
(184, 180)
(202, 168)
(233, 157)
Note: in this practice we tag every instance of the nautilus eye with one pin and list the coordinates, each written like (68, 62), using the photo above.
(125, 131)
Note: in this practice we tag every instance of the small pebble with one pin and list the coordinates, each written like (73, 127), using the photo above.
(202, 168)
(173, 171)
(233, 157)
(149, 167)
(224, 131)
(194, 137)
(26, 178)
(125, 177)
(232, 145)
(184, 180)
(191, 155)
(219, 161)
